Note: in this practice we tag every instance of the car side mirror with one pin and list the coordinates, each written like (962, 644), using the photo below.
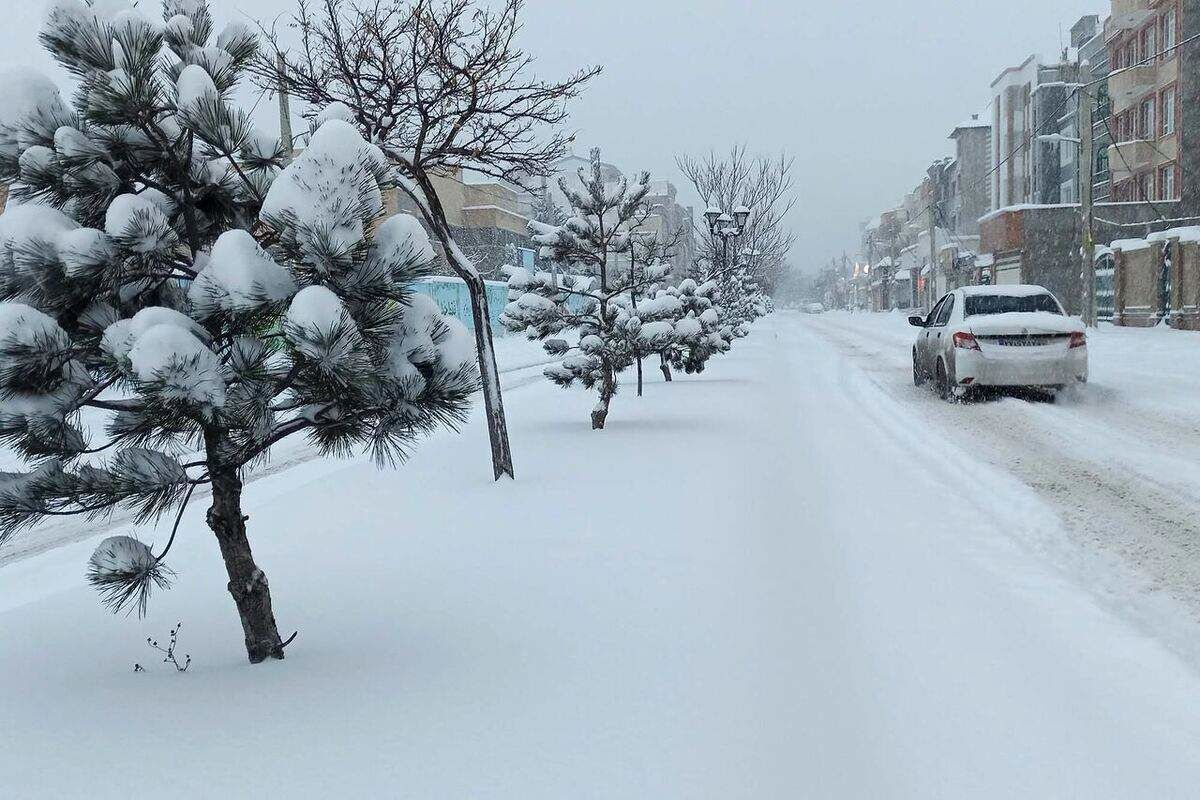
(917, 321)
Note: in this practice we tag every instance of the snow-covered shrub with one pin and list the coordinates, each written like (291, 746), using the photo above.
(158, 263)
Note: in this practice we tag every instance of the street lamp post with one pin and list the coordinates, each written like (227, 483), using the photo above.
(727, 227)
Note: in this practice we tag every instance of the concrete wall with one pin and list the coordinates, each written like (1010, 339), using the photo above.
(1142, 297)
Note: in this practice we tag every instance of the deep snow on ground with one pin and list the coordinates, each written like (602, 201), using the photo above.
(753, 585)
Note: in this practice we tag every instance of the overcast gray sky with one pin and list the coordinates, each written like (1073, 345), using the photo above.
(863, 93)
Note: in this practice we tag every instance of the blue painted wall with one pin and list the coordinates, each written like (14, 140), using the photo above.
(451, 296)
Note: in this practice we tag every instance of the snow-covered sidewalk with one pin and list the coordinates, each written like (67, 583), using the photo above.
(519, 360)
(753, 585)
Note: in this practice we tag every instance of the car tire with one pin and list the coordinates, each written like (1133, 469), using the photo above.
(919, 377)
(944, 389)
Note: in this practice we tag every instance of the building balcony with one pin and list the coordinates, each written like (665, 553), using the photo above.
(1127, 15)
(1130, 85)
(1130, 158)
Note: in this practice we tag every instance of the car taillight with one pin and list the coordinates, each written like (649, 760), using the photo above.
(1078, 340)
(965, 341)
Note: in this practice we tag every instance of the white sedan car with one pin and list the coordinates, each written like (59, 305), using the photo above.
(999, 336)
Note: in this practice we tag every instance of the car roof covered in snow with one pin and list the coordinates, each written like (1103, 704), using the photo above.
(1016, 290)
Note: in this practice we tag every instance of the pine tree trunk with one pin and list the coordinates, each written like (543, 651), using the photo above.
(247, 583)
(639, 365)
(608, 388)
(666, 368)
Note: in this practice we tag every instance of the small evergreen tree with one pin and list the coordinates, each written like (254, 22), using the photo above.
(597, 243)
(545, 209)
(739, 302)
(697, 329)
(160, 269)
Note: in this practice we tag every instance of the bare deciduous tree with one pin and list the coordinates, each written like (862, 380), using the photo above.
(762, 183)
(439, 85)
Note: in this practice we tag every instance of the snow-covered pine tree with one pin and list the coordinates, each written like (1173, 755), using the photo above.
(697, 328)
(173, 304)
(545, 209)
(596, 243)
(740, 302)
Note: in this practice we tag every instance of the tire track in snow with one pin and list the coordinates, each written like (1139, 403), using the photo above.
(1110, 472)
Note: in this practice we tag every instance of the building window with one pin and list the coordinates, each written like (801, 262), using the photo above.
(1147, 129)
(1168, 31)
(1168, 111)
(1149, 42)
(1166, 183)
(1145, 184)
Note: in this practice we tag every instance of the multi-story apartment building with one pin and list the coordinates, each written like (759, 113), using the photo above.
(1087, 41)
(1088, 36)
(489, 219)
(970, 197)
(1012, 122)
(1154, 145)
(1028, 101)
(672, 222)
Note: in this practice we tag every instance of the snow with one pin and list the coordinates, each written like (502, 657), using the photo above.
(120, 337)
(195, 86)
(336, 110)
(808, 628)
(315, 186)
(1034, 321)
(999, 212)
(120, 554)
(687, 328)
(400, 234)
(187, 370)
(73, 143)
(181, 27)
(22, 324)
(1004, 290)
(457, 349)
(24, 92)
(239, 276)
(1130, 245)
(83, 250)
(22, 224)
(316, 308)
(657, 331)
(233, 33)
(126, 210)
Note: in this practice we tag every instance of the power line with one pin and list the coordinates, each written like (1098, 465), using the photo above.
(1131, 171)
(1056, 114)
(1143, 62)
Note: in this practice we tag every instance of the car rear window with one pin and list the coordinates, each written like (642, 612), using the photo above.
(981, 304)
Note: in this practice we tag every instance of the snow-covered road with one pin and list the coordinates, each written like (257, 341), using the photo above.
(1117, 461)
(792, 577)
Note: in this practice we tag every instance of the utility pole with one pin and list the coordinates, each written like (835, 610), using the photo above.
(1087, 166)
(285, 111)
(934, 267)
